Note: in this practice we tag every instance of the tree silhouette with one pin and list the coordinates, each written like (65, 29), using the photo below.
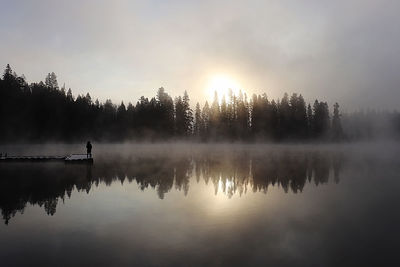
(188, 115)
(8, 73)
(183, 116)
(205, 126)
(284, 116)
(44, 112)
(197, 122)
(310, 122)
(214, 118)
(337, 131)
(51, 81)
(320, 119)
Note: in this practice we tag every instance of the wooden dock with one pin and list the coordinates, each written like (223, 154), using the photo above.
(74, 158)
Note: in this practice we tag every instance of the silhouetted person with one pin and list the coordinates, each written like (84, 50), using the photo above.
(89, 149)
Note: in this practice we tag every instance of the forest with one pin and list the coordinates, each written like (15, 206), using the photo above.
(44, 112)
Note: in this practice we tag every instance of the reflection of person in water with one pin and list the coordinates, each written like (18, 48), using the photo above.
(89, 149)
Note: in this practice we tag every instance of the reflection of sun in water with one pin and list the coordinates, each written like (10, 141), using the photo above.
(221, 199)
(225, 186)
(221, 84)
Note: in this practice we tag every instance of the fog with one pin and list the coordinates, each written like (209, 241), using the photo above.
(385, 149)
(209, 133)
(346, 51)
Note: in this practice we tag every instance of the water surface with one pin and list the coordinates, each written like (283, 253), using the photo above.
(198, 205)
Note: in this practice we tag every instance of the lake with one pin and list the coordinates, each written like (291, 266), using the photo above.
(202, 205)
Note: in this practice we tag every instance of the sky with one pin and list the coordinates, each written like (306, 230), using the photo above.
(336, 51)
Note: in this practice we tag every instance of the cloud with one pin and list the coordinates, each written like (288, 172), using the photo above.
(346, 51)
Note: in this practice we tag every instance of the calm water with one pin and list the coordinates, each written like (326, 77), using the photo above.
(188, 205)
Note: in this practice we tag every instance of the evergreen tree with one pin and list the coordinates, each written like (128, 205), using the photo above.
(256, 115)
(205, 130)
(63, 89)
(88, 99)
(321, 119)
(179, 117)
(284, 111)
(298, 120)
(8, 73)
(197, 121)
(165, 117)
(224, 118)
(188, 115)
(273, 126)
(51, 81)
(214, 118)
(242, 121)
(337, 131)
(231, 113)
(310, 121)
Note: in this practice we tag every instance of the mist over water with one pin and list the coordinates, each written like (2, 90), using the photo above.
(199, 133)
(194, 205)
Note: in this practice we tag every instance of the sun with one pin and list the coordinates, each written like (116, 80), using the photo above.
(222, 84)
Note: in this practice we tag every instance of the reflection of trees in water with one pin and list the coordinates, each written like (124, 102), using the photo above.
(235, 174)
(287, 171)
(46, 184)
(228, 173)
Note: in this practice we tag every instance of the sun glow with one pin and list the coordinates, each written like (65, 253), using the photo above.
(222, 84)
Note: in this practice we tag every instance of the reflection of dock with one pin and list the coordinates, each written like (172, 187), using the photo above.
(74, 158)
(77, 158)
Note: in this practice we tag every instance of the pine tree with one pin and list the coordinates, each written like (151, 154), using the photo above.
(310, 121)
(179, 117)
(214, 117)
(256, 115)
(51, 81)
(298, 120)
(231, 113)
(54, 82)
(316, 120)
(166, 109)
(47, 80)
(69, 95)
(8, 73)
(205, 114)
(337, 131)
(88, 99)
(62, 90)
(284, 117)
(188, 115)
(273, 127)
(224, 118)
(321, 119)
(197, 121)
(243, 116)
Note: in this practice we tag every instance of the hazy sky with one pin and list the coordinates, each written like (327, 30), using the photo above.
(346, 51)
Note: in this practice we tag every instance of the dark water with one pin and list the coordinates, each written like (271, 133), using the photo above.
(187, 205)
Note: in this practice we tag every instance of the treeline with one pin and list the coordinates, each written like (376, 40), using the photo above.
(261, 119)
(45, 112)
